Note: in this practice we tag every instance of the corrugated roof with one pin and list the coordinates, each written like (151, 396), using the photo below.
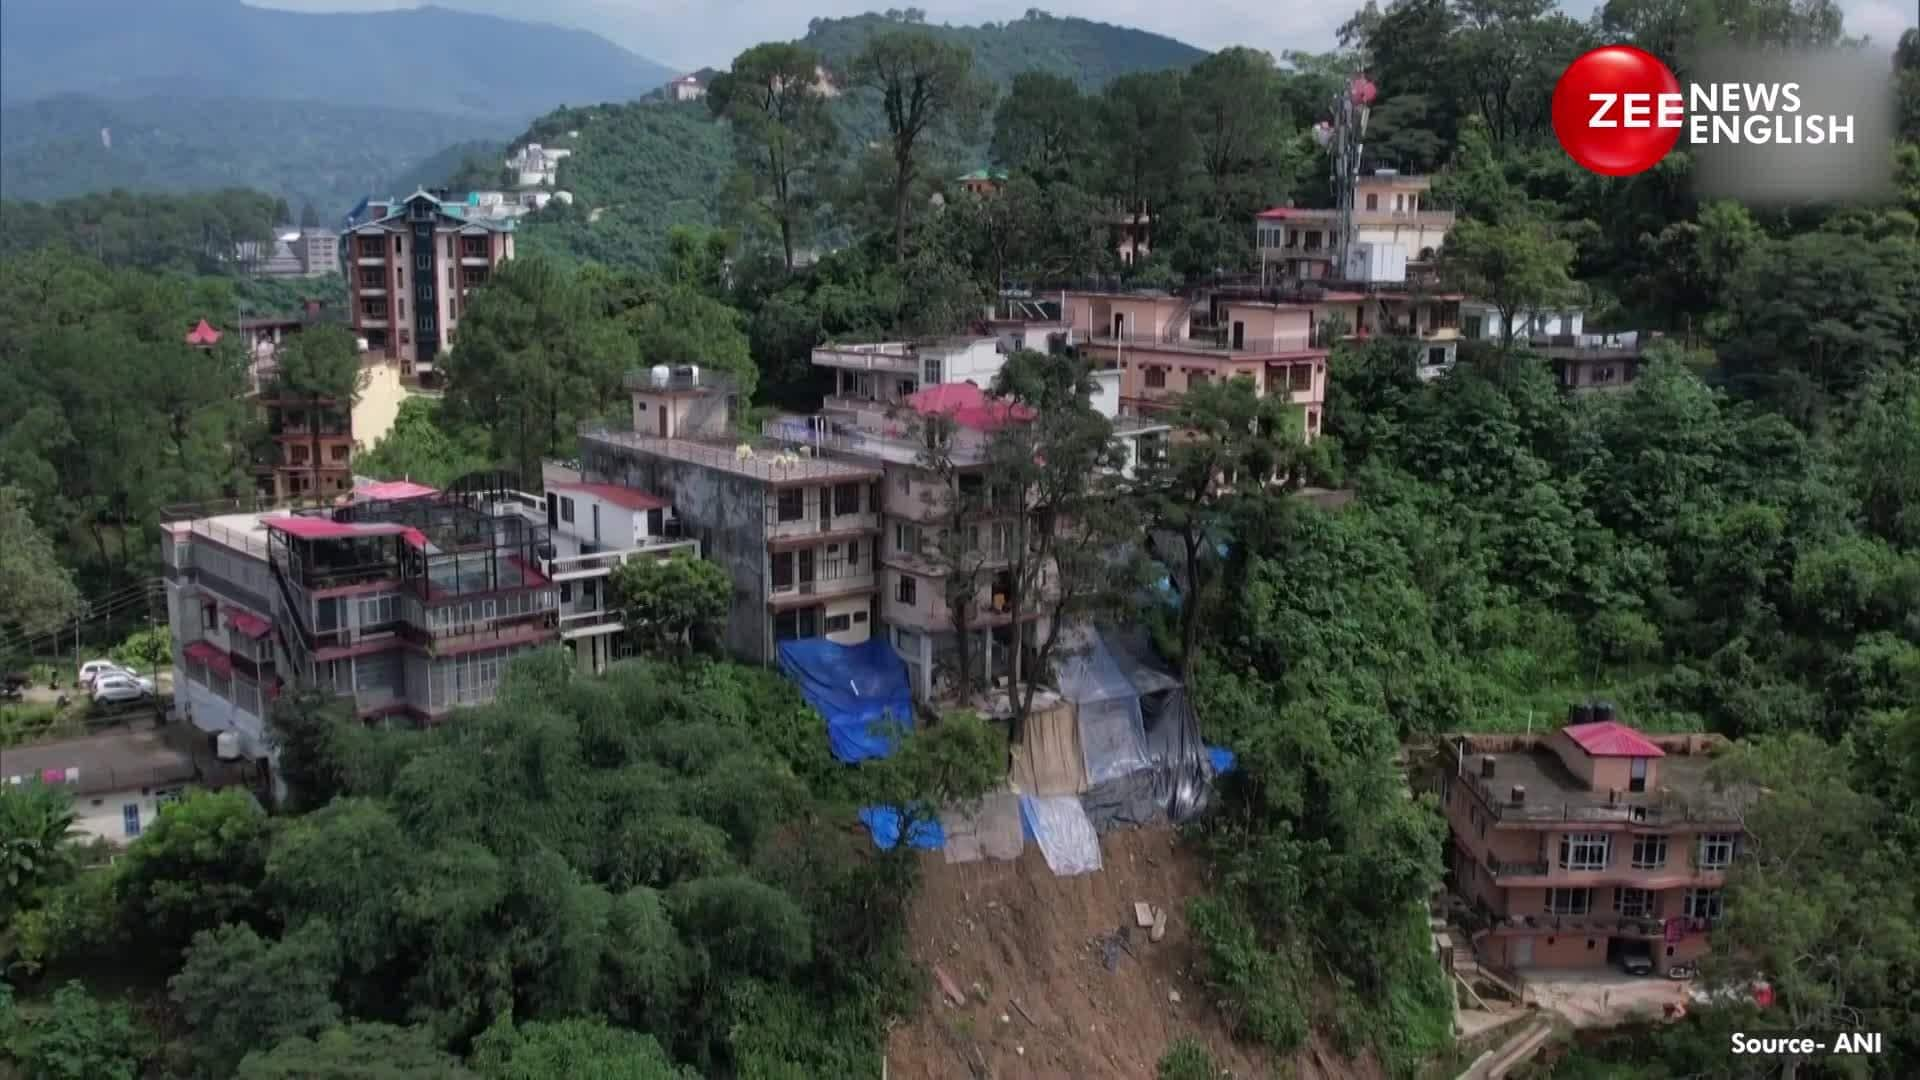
(1610, 739)
(317, 528)
(626, 497)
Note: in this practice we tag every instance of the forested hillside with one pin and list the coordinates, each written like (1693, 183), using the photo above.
(478, 64)
(641, 167)
(304, 152)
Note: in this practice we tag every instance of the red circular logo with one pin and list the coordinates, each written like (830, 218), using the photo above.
(1609, 114)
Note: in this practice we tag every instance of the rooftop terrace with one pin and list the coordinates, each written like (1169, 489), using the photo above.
(1681, 792)
(755, 461)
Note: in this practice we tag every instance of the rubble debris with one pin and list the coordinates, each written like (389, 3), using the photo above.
(1159, 925)
(1142, 913)
(947, 986)
(1173, 997)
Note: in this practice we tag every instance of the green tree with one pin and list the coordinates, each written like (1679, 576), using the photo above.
(239, 991)
(951, 762)
(1816, 871)
(584, 1048)
(1232, 441)
(424, 447)
(783, 134)
(1041, 128)
(38, 592)
(357, 1051)
(81, 1038)
(670, 605)
(36, 830)
(1517, 266)
(1245, 139)
(319, 373)
(309, 217)
(199, 866)
(927, 91)
(536, 356)
(1063, 556)
(1145, 138)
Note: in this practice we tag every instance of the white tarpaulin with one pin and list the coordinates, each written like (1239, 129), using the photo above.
(1063, 831)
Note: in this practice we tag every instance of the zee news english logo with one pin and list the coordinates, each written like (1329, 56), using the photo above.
(1618, 111)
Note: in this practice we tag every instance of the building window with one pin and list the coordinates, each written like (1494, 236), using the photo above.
(1702, 904)
(373, 309)
(378, 611)
(130, 818)
(1300, 378)
(906, 539)
(426, 324)
(906, 641)
(846, 499)
(853, 556)
(839, 624)
(1583, 851)
(907, 591)
(1649, 852)
(209, 616)
(1373, 202)
(566, 509)
(782, 571)
(373, 277)
(790, 505)
(337, 452)
(1471, 327)
(1156, 378)
(423, 262)
(1632, 903)
(1716, 851)
(1569, 901)
(1196, 378)
(860, 616)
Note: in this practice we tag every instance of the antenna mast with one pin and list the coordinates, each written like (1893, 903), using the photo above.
(1344, 137)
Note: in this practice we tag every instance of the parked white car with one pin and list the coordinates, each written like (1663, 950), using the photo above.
(116, 688)
(93, 669)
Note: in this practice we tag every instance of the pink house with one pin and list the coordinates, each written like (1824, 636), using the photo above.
(1163, 345)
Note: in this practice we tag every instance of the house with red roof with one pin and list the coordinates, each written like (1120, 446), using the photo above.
(203, 336)
(1592, 845)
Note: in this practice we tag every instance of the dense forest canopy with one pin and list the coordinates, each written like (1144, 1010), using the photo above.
(656, 866)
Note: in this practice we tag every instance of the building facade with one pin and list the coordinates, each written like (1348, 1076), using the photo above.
(796, 534)
(1163, 345)
(120, 779)
(594, 529)
(1389, 211)
(1588, 845)
(410, 267)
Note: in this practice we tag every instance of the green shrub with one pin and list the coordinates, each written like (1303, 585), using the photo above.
(79, 1039)
(147, 650)
(1187, 1059)
(1260, 987)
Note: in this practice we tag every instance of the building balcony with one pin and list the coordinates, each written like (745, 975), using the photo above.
(601, 563)
(900, 358)
(475, 260)
(370, 260)
(370, 291)
(370, 322)
(808, 593)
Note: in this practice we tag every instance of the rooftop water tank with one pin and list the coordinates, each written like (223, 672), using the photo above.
(226, 746)
(660, 374)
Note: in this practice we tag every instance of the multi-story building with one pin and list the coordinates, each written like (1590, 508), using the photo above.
(595, 528)
(1582, 847)
(409, 606)
(797, 534)
(943, 535)
(410, 266)
(534, 165)
(1581, 361)
(309, 451)
(1389, 211)
(1162, 345)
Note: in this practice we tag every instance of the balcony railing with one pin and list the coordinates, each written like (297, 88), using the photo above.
(601, 561)
(1551, 810)
(892, 356)
(1500, 868)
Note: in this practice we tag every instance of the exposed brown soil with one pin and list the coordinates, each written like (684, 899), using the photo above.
(1007, 932)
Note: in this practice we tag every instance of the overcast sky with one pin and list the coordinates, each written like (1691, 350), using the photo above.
(689, 34)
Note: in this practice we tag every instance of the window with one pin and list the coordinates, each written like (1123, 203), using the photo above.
(1632, 903)
(402, 307)
(426, 324)
(1702, 904)
(130, 817)
(1569, 901)
(372, 277)
(1716, 851)
(378, 611)
(337, 452)
(839, 624)
(846, 499)
(907, 591)
(903, 482)
(373, 309)
(1649, 852)
(1373, 202)
(1436, 357)
(1583, 851)
(423, 262)
(426, 293)
(906, 640)
(209, 616)
(860, 616)
(936, 369)
(853, 556)
(1156, 378)
(1471, 327)
(1300, 379)
(1638, 781)
(1196, 378)
(782, 570)
(906, 539)
(790, 505)
(566, 509)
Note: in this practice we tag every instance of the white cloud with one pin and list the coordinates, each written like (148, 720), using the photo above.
(691, 33)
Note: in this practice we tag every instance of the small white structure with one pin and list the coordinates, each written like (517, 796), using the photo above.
(534, 165)
(118, 780)
(686, 88)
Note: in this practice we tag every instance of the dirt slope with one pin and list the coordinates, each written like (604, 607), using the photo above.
(1023, 935)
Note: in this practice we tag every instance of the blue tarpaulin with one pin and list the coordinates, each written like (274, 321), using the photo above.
(860, 689)
(884, 823)
(1222, 759)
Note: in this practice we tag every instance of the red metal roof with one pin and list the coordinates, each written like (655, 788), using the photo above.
(204, 334)
(393, 489)
(318, 528)
(969, 406)
(630, 498)
(248, 623)
(1610, 739)
(205, 653)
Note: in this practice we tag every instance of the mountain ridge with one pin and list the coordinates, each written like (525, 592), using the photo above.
(481, 64)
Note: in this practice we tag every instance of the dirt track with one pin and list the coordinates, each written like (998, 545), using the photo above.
(1023, 935)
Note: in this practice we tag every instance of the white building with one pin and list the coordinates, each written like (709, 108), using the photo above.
(595, 528)
(534, 165)
(118, 780)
